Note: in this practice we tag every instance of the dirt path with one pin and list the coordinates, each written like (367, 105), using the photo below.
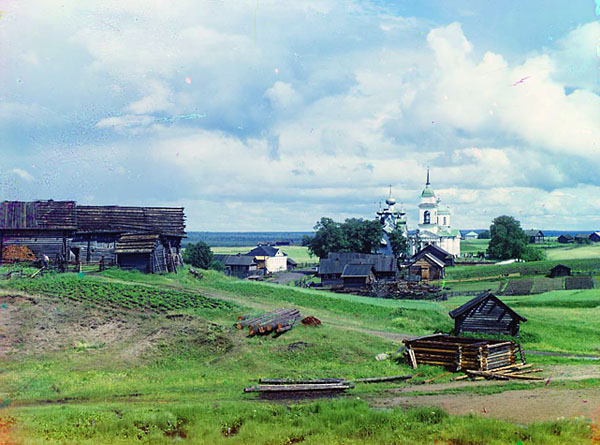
(522, 406)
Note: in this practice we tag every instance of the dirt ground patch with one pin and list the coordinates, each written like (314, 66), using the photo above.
(542, 404)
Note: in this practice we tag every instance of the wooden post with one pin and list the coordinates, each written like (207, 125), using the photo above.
(412, 358)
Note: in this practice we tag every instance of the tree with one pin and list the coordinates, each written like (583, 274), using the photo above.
(398, 242)
(507, 239)
(329, 237)
(485, 234)
(533, 254)
(353, 235)
(362, 236)
(198, 255)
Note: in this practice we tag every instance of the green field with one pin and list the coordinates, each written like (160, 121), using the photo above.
(474, 246)
(574, 251)
(89, 366)
(299, 254)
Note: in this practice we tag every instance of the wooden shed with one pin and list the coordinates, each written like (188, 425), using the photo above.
(595, 237)
(444, 256)
(356, 276)
(560, 270)
(428, 267)
(486, 313)
(535, 236)
(43, 227)
(458, 353)
(566, 239)
(238, 265)
(143, 252)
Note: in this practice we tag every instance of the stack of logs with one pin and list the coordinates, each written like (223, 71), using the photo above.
(405, 290)
(519, 372)
(277, 322)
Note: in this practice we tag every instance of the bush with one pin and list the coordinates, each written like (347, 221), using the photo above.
(198, 255)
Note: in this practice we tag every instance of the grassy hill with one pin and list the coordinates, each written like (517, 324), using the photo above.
(121, 356)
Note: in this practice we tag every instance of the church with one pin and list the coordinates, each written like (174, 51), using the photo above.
(434, 224)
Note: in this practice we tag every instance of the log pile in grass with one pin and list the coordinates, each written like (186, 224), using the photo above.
(462, 353)
(274, 322)
(516, 372)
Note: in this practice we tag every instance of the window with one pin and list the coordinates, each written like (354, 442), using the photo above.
(426, 217)
(445, 221)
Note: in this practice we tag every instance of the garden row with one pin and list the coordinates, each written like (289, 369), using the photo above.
(539, 285)
(115, 294)
(586, 266)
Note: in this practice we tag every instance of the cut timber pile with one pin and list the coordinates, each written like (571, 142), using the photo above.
(405, 290)
(195, 273)
(17, 253)
(276, 322)
(456, 353)
(519, 372)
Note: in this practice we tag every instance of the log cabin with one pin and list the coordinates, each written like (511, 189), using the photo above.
(44, 227)
(385, 267)
(560, 270)
(427, 267)
(486, 313)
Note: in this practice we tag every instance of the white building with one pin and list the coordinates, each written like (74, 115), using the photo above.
(434, 224)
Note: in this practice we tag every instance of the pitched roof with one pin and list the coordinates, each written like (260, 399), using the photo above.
(534, 233)
(381, 263)
(566, 236)
(357, 270)
(436, 251)
(137, 243)
(331, 266)
(162, 220)
(471, 233)
(431, 258)
(582, 235)
(560, 266)
(263, 251)
(480, 299)
(39, 215)
(235, 260)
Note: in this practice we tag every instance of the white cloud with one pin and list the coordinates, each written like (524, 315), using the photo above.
(23, 174)
(282, 95)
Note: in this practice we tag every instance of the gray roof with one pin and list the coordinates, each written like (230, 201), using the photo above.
(235, 260)
(479, 299)
(582, 235)
(431, 258)
(381, 263)
(357, 270)
(534, 233)
(40, 215)
(263, 251)
(441, 254)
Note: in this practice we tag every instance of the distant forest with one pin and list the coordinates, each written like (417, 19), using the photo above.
(242, 239)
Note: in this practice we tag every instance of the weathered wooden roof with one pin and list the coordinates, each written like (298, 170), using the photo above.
(161, 220)
(441, 254)
(357, 270)
(381, 263)
(137, 243)
(480, 299)
(40, 215)
(534, 233)
(561, 266)
(263, 251)
(431, 259)
(235, 260)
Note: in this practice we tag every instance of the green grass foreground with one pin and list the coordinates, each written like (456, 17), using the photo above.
(175, 371)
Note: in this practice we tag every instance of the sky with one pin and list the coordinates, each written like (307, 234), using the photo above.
(265, 115)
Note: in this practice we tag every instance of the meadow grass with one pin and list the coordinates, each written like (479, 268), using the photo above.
(574, 251)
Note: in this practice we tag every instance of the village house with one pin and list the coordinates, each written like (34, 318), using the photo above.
(470, 235)
(566, 239)
(595, 237)
(269, 258)
(427, 267)
(488, 314)
(330, 270)
(144, 238)
(560, 270)
(356, 276)
(535, 236)
(582, 238)
(239, 265)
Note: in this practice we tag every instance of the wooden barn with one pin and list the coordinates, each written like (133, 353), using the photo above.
(100, 228)
(356, 276)
(444, 256)
(144, 252)
(385, 267)
(43, 227)
(239, 265)
(566, 239)
(582, 238)
(560, 270)
(427, 267)
(486, 313)
(535, 236)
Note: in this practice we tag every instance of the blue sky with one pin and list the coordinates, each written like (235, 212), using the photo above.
(267, 115)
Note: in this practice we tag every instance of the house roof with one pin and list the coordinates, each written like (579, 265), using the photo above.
(137, 243)
(441, 254)
(381, 263)
(566, 235)
(41, 215)
(331, 266)
(357, 270)
(431, 258)
(292, 262)
(235, 260)
(263, 251)
(560, 266)
(471, 233)
(534, 233)
(480, 299)
(161, 220)
(582, 235)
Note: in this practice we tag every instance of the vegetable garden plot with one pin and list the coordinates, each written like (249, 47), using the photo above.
(518, 287)
(544, 284)
(583, 282)
(118, 295)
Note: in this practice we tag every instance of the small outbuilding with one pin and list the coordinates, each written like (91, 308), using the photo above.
(239, 265)
(143, 252)
(356, 276)
(486, 313)
(595, 237)
(566, 239)
(535, 236)
(560, 271)
(444, 256)
(471, 235)
(582, 238)
(428, 267)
